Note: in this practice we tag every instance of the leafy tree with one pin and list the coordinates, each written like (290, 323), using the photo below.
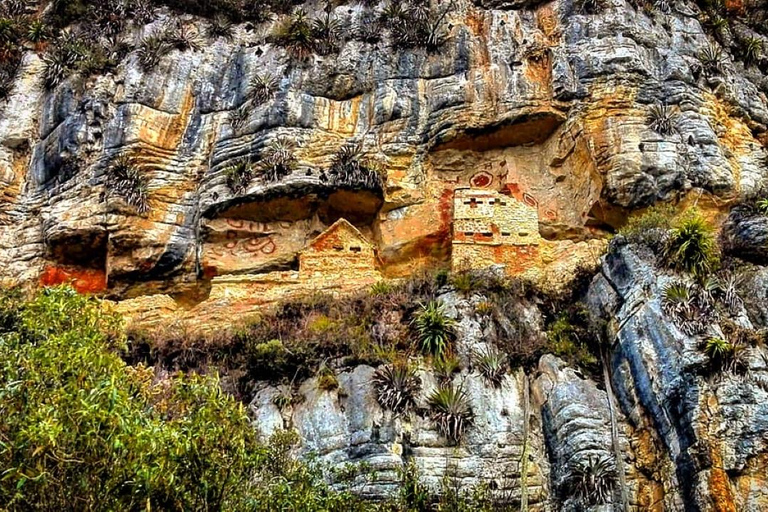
(82, 430)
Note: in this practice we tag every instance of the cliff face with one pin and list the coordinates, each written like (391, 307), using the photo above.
(543, 104)
(545, 101)
(675, 434)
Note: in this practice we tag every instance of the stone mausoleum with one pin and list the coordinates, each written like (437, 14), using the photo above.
(490, 228)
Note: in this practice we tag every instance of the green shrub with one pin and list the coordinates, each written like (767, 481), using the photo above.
(277, 160)
(492, 365)
(724, 355)
(651, 226)
(381, 288)
(239, 176)
(434, 329)
(569, 339)
(80, 426)
(397, 387)
(151, 50)
(445, 367)
(349, 168)
(591, 480)
(451, 411)
(692, 248)
(125, 179)
(296, 36)
(326, 379)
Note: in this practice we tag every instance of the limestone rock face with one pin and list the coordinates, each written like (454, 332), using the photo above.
(745, 234)
(537, 100)
(671, 434)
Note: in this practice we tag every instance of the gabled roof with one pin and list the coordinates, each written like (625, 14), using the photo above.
(338, 228)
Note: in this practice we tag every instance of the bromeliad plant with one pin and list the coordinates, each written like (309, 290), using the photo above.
(692, 247)
(262, 88)
(492, 365)
(239, 176)
(126, 180)
(278, 160)
(451, 411)
(724, 355)
(663, 119)
(434, 329)
(397, 387)
(591, 480)
(350, 168)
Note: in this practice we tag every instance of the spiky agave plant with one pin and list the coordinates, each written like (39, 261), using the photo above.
(663, 119)
(327, 34)
(182, 36)
(492, 365)
(262, 88)
(151, 50)
(711, 58)
(278, 159)
(688, 304)
(397, 387)
(350, 168)
(592, 479)
(126, 180)
(295, 35)
(434, 329)
(752, 50)
(451, 411)
(691, 247)
(239, 175)
(220, 26)
(724, 355)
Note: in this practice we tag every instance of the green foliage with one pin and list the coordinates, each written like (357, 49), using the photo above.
(434, 329)
(692, 247)
(239, 176)
(752, 50)
(220, 26)
(724, 355)
(465, 282)
(381, 288)
(397, 387)
(414, 495)
(327, 33)
(277, 160)
(415, 25)
(444, 367)
(80, 426)
(125, 179)
(262, 88)
(326, 379)
(63, 56)
(296, 36)
(492, 365)
(651, 226)
(663, 119)
(350, 169)
(591, 480)
(712, 60)
(151, 50)
(451, 412)
(762, 206)
(569, 337)
(182, 37)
